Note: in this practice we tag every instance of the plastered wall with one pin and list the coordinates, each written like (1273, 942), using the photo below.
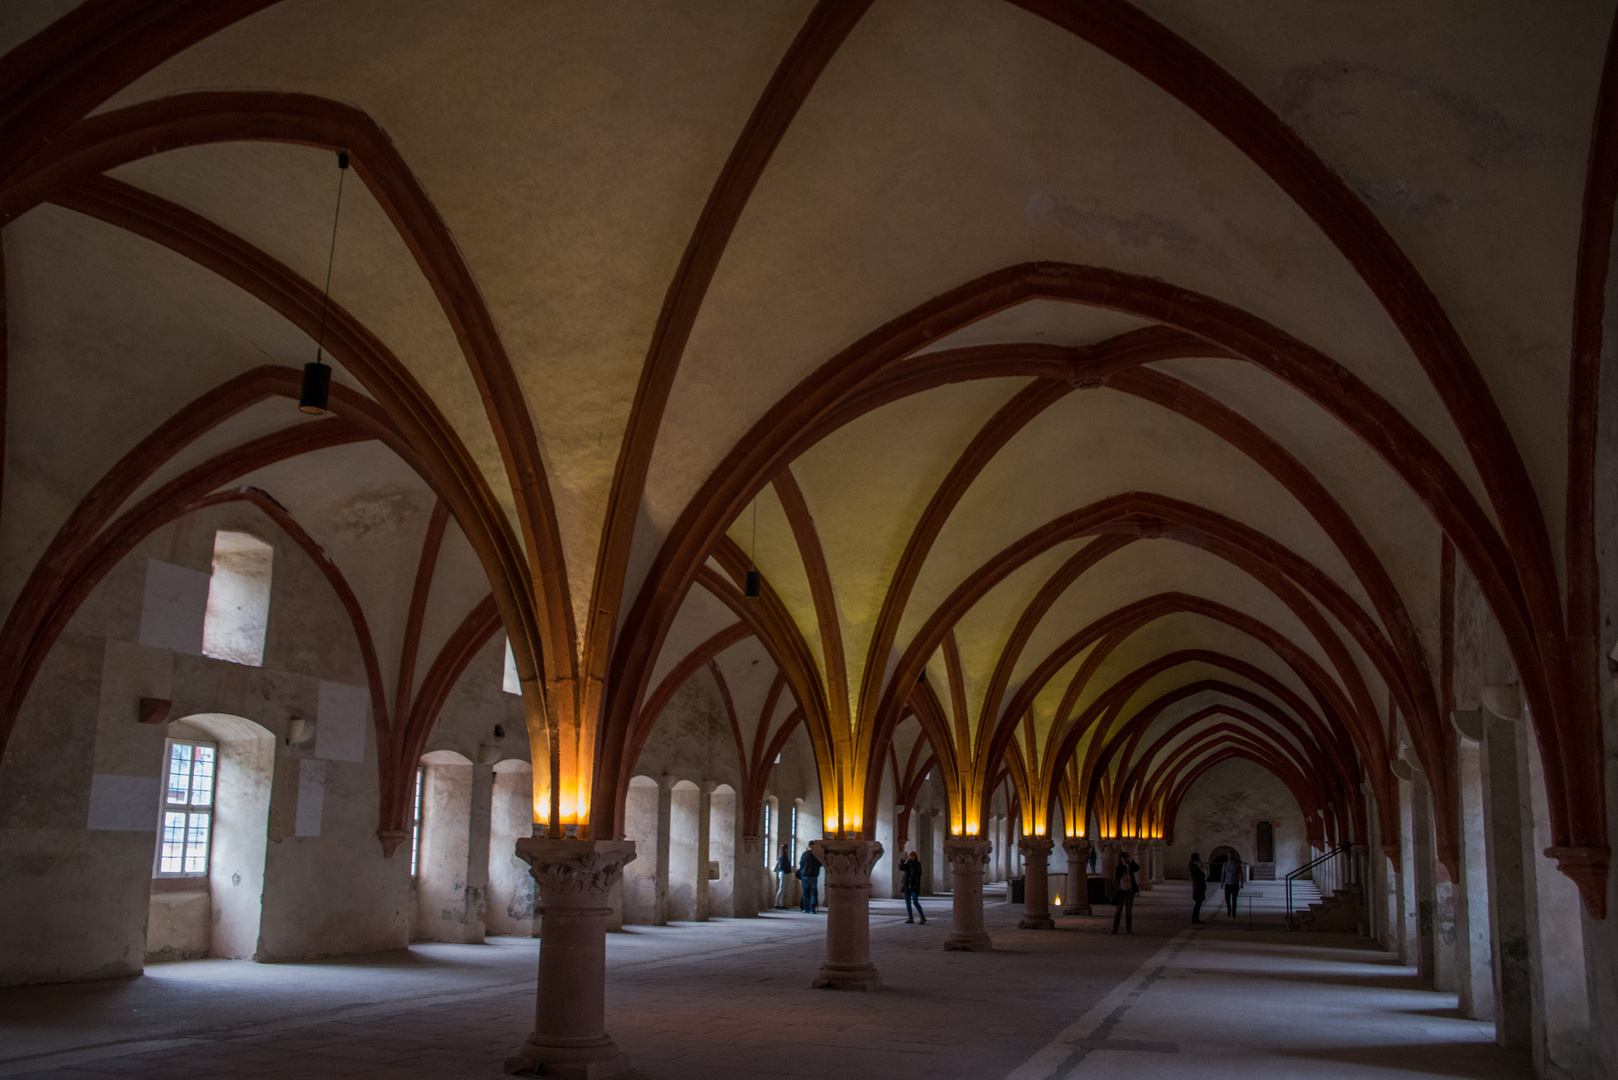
(1223, 808)
(79, 783)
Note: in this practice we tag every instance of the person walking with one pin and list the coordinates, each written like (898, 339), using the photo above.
(910, 886)
(1126, 879)
(809, 875)
(783, 869)
(1199, 885)
(1234, 875)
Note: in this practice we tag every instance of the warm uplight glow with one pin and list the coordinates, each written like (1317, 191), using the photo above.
(972, 828)
(1057, 901)
(570, 808)
(542, 797)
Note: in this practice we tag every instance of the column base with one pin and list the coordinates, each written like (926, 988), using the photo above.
(1044, 922)
(968, 943)
(570, 1062)
(846, 977)
(1077, 909)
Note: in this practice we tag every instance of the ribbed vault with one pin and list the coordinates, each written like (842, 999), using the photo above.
(1095, 386)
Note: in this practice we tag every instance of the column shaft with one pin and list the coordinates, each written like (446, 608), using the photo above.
(1036, 884)
(748, 876)
(665, 819)
(1508, 902)
(967, 858)
(575, 879)
(847, 877)
(704, 844)
(1077, 849)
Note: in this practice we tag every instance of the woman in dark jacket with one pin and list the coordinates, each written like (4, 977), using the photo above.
(910, 886)
(1199, 886)
(783, 870)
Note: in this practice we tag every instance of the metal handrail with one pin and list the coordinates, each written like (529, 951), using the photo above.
(1308, 868)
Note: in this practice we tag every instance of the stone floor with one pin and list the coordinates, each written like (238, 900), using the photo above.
(730, 999)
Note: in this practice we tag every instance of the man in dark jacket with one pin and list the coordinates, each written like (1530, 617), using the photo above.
(1233, 877)
(1128, 885)
(910, 886)
(809, 876)
(1199, 885)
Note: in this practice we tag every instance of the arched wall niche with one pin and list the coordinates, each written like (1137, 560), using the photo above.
(221, 915)
(685, 828)
(720, 871)
(642, 896)
(511, 817)
(450, 889)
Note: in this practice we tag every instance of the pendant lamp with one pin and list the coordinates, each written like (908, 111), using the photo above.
(316, 391)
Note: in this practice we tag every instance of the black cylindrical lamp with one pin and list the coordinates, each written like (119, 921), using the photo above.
(752, 586)
(316, 392)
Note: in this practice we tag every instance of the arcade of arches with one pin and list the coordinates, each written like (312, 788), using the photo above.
(1015, 432)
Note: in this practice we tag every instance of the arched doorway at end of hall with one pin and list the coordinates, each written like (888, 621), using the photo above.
(1216, 862)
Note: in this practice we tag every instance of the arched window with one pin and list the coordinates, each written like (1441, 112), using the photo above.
(415, 823)
(237, 619)
(511, 682)
(188, 791)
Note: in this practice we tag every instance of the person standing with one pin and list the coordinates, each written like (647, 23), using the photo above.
(1199, 885)
(1234, 873)
(809, 875)
(783, 870)
(910, 886)
(1126, 879)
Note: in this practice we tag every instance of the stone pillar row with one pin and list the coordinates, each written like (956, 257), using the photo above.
(575, 879)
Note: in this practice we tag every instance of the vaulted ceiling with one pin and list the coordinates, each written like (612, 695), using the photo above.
(1109, 365)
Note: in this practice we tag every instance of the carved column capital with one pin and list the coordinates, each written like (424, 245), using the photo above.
(1077, 849)
(579, 871)
(847, 862)
(1035, 847)
(966, 852)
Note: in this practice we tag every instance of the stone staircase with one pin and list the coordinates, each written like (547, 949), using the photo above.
(1343, 912)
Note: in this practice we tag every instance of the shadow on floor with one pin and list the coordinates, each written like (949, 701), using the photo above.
(1471, 1061)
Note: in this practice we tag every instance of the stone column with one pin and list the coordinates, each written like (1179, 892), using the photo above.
(1108, 863)
(1475, 989)
(748, 876)
(1157, 863)
(1427, 953)
(665, 818)
(704, 846)
(967, 859)
(477, 852)
(575, 878)
(847, 872)
(1036, 909)
(1508, 900)
(1077, 849)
